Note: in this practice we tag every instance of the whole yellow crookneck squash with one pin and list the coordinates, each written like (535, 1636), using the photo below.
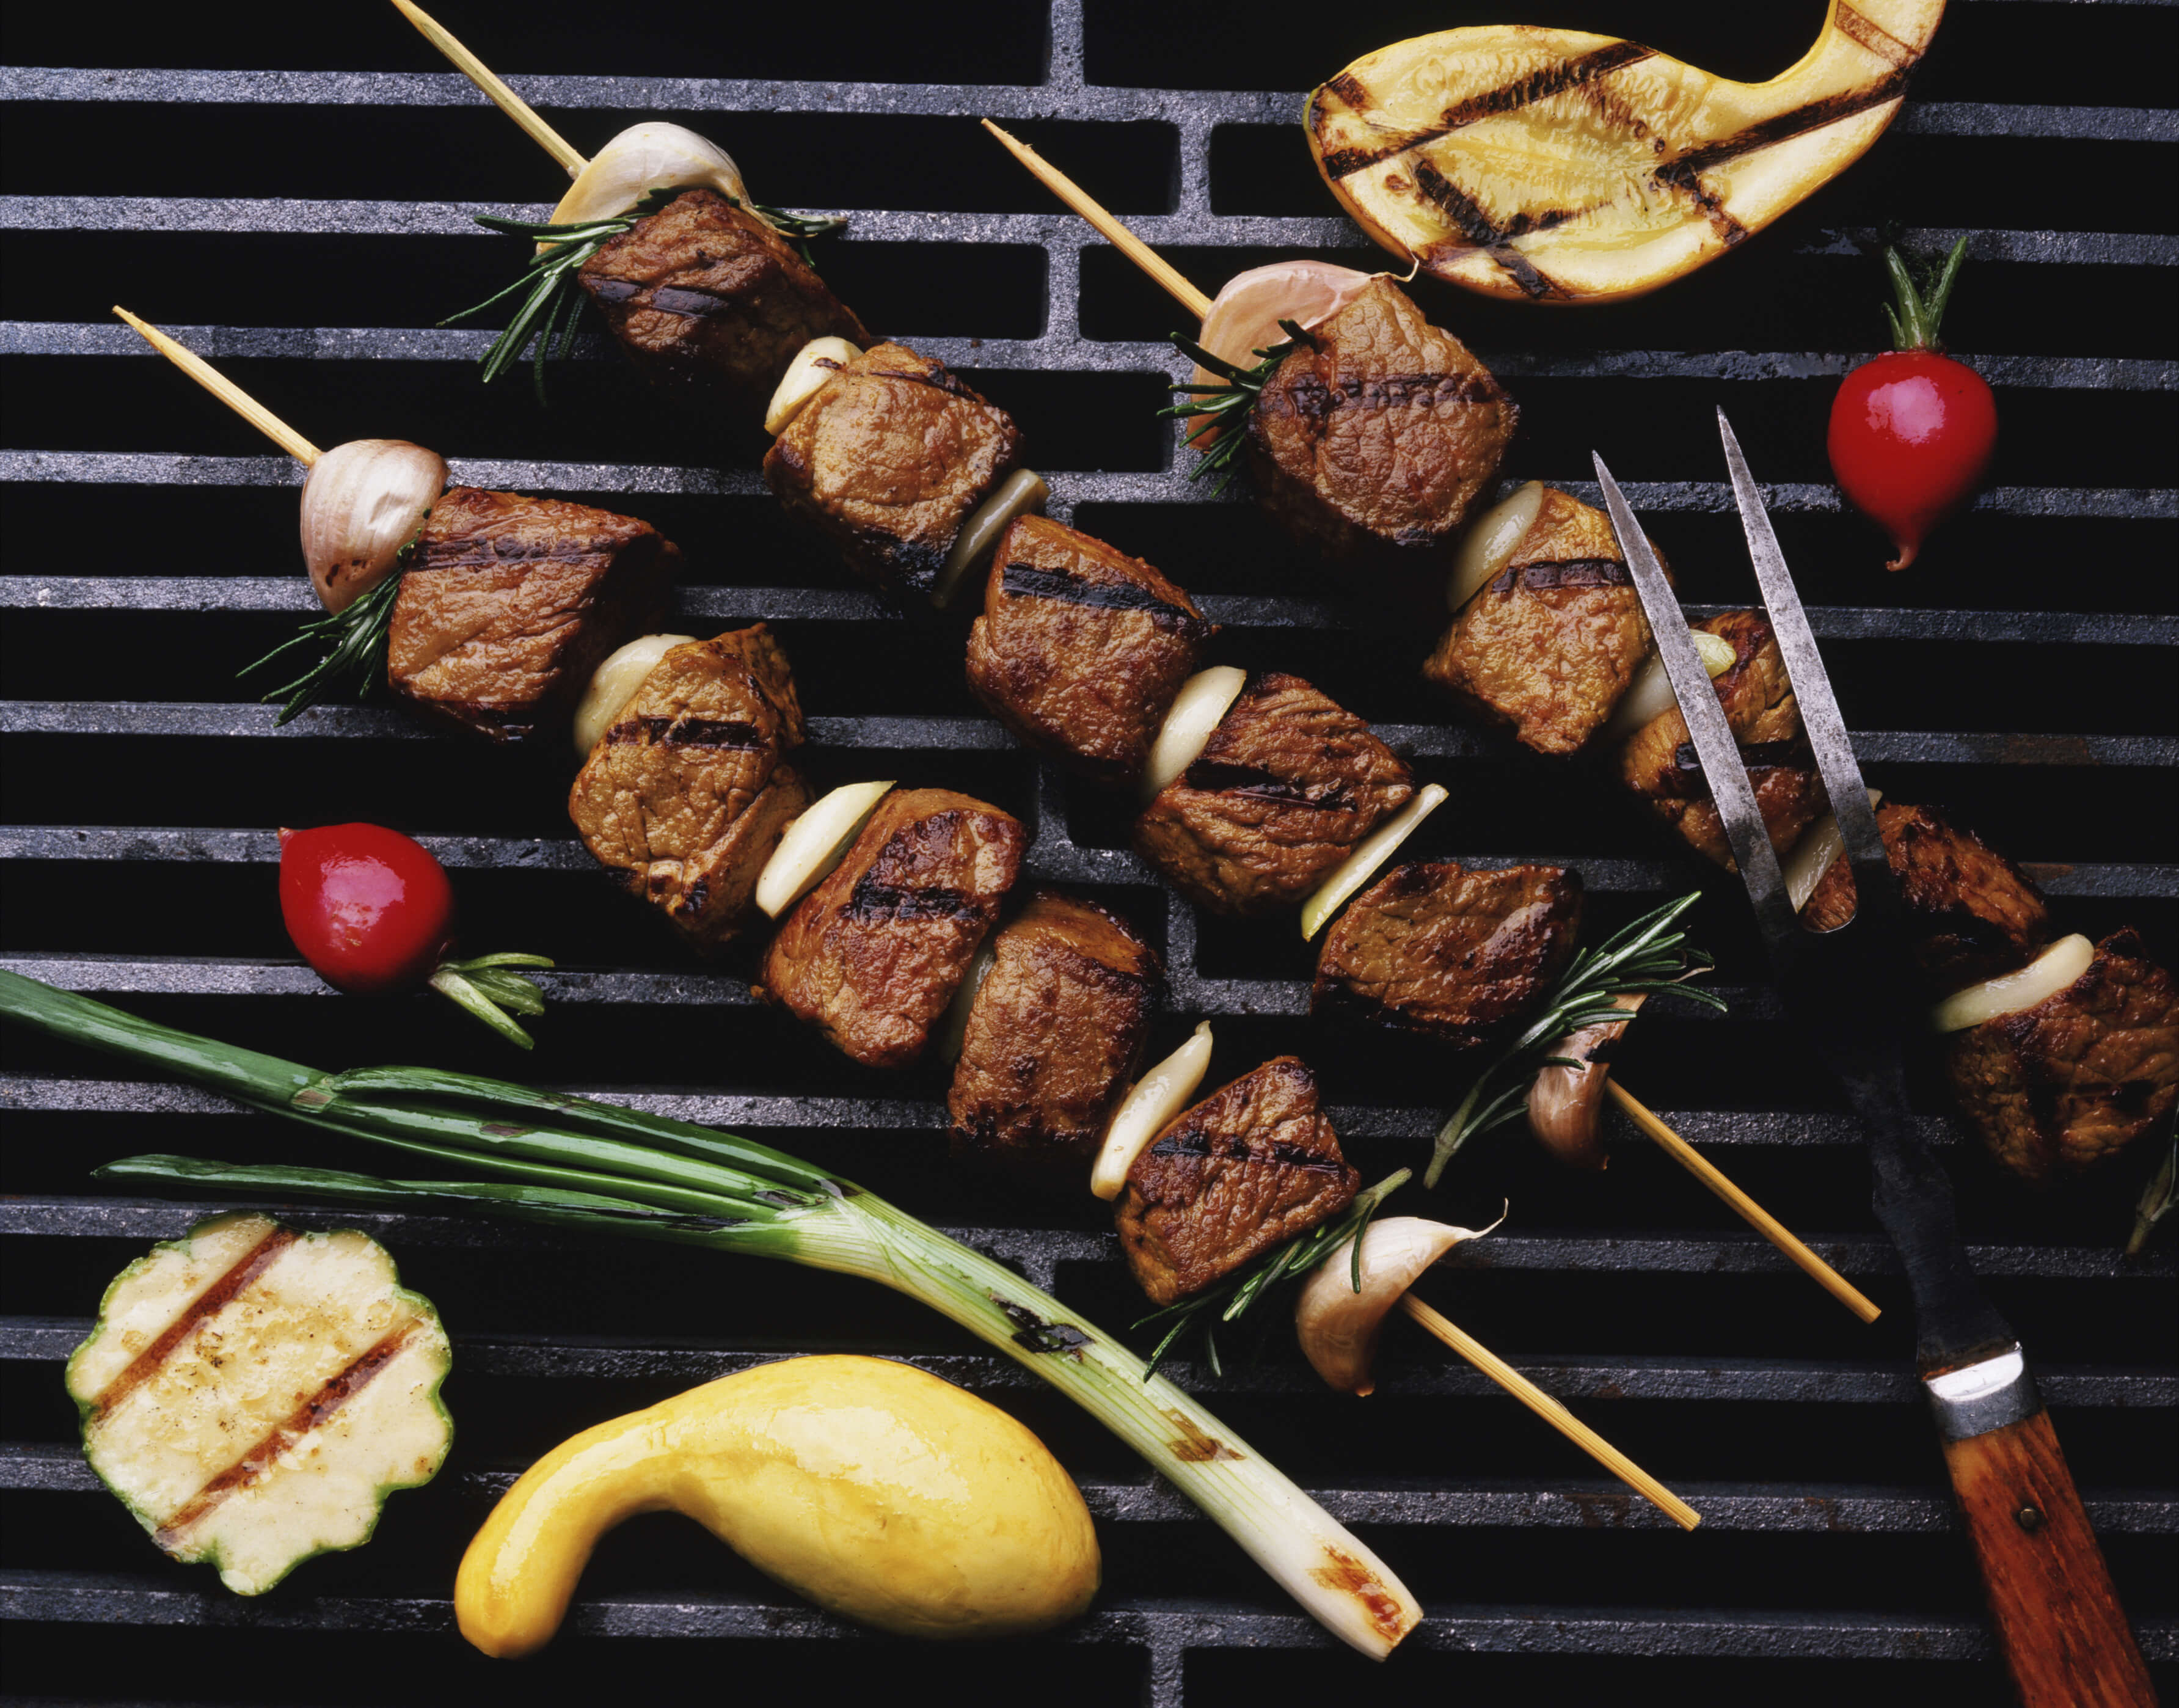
(876, 1490)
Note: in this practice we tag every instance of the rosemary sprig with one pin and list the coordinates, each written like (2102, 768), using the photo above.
(1289, 1262)
(1225, 407)
(355, 643)
(1645, 957)
(2157, 1198)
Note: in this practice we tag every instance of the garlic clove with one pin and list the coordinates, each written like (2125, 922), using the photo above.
(1360, 866)
(1244, 316)
(1020, 492)
(2051, 972)
(1491, 539)
(1147, 1110)
(1812, 856)
(362, 502)
(613, 683)
(1195, 712)
(814, 844)
(953, 1028)
(1565, 1105)
(1651, 696)
(808, 374)
(644, 157)
(1338, 1327)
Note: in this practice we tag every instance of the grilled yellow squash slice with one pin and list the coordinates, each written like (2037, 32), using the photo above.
(1556, 167)
(253, 1394)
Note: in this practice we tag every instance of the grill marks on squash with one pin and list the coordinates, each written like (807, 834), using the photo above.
(208, 1305)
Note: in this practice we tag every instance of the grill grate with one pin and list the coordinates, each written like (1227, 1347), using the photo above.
(1828, 1536)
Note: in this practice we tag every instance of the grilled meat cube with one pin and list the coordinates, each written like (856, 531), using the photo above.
(872, 956)
(1659, 762)
(1971, 913)
(1548, 648)
(1081, 649)
(1249, 1167)
(1286, 787)
(888, 462)
(1054, 1038)
(510, 603)
(1449, 954)
(707, 296)
(687, 794)
(2058, 1088)
(1374, 437)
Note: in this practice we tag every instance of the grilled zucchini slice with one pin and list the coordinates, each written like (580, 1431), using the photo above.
(1554, 166)
(253, 1394)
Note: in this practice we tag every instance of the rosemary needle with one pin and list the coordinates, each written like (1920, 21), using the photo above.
(1225, 406)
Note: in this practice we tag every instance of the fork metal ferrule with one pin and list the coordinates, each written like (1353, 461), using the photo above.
(1986, 1395)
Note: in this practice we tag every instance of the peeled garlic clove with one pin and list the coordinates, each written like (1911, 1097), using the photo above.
(1146, 1110)
(1565, 1105)
(644, 157)
(808, 374)
(1194, 713)
(2048, 974)
(1489, 540)
(362, 502)
(1651, 696)
(1812, 856)
(1360, 866)
(953, 1029)
(814, 844)
(613, 683)
(1021, 491)
(1338, 1326)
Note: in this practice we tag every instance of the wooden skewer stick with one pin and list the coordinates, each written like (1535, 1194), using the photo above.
(1761, 1220)
(209, 377)
(1069, 191)
(1550, 1411)
(512, 104)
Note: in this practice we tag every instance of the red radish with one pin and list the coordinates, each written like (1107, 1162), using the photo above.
(1912, 431)
(373, 914)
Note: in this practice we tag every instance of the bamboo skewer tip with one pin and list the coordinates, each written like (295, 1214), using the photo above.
(495, 89)
(209, 377)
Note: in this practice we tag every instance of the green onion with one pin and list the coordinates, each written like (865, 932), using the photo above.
(571, 1162)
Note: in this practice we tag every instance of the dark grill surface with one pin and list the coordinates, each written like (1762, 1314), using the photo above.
(305, 227)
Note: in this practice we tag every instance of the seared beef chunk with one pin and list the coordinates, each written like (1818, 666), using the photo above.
(1448, 954)
(707, 297)
(510, 603)
(1251, 1165)
(1286, 785)
(1659, 762)
(1081, 649)
(1971, 913)
(2072, 1081)
(1374, 437)
(874, 953)
(1053, 1040)
(1548, 647)
(687, 794)
(888, 462)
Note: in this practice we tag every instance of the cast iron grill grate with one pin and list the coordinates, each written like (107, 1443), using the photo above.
(282, 221)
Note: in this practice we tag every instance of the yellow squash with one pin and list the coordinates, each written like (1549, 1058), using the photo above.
(1557, 166)
(875, 1489)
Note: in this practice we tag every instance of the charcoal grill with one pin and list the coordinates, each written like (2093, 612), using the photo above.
(305, 227)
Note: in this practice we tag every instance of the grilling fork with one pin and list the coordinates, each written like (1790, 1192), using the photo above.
(2065, 1637)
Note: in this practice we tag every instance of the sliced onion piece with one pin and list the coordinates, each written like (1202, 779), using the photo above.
(808, 374)
(1244, 316)
(1651, 696)
(1145, 1112)
(1812, 856)
(2048, 974)
(1338, 1326)
(363, 502)
(613, 683)
(1195, 712)
(1489, 540)
(644, 157)
(953, 1027)
(1021, 491)
(814, 844)
(1360, 866)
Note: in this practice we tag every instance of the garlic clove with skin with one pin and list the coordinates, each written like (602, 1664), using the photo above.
(644, 157)
(1565, 1105)
(362, 502)
(1338, 1325)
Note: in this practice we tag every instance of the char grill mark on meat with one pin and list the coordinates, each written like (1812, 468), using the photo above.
(705, 296)
(2057, 1089)
(1286, 787)
(687, 819)
(1374, 436)
(1551, 646)
(888, 461)
(874, 953)
(509, 603)
(1080, 649)
(1249, 1167)
(1054, 1038)
(1449, 954)
(1971, 914)
(1658, 762)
